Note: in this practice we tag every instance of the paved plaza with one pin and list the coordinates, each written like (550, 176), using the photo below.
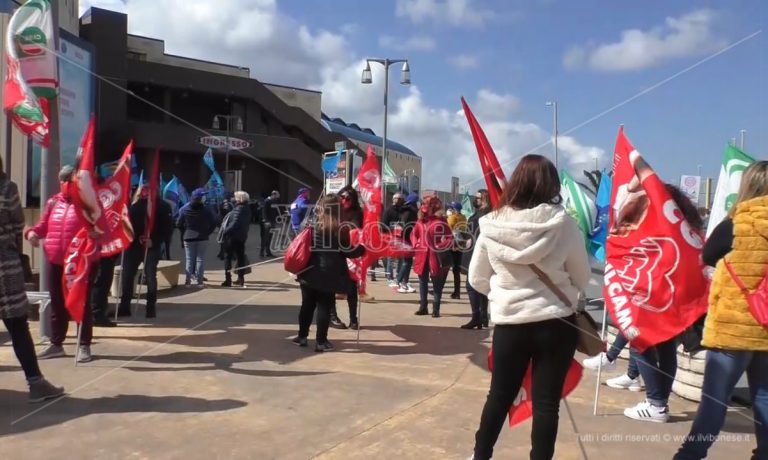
(216, 376)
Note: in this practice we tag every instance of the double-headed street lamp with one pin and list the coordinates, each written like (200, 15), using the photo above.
(405, 79)
(553, 104)
(238, 127)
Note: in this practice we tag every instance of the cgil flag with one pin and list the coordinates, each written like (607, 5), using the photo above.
(655, 285)
(734, 163)
(114, 195)
(154, 182)
(32, 74)
(580, 206)
(603, 204)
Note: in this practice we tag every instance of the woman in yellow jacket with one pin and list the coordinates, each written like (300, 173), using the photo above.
(736, 342)
(458, 223)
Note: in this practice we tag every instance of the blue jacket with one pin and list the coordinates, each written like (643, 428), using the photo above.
(196, 222)
(299, 209)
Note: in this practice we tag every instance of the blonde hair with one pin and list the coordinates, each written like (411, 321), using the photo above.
(754, 183)
(241, 197)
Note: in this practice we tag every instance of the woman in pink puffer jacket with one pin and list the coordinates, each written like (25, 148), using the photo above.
(58, 225)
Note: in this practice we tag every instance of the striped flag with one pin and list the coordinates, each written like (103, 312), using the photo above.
(734, 163)
(578, 204)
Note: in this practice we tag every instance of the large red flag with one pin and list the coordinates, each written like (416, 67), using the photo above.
(114, 194)
(154, 181)
(369, 183)
(494, 176)
(655, 285)
(83, 249)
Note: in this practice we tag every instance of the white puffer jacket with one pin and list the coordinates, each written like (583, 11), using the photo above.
(510, 240)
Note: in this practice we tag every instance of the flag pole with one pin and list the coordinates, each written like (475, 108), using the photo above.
(77, 348)
(359, 316)
(600, 363)
(120, 284)
(575, 429)
(143, 274)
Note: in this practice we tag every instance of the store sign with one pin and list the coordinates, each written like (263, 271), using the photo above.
(220, 142)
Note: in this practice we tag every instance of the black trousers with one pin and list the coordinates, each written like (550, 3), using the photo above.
(456, 268)
(479, 304)
(265, 232)
(352, 295)
(23, 346)
(102, 283)
(234, 250)
(312, 299)
(548, 346)
(134, 256)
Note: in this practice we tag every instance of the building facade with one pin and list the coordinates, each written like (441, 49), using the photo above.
(168, 103)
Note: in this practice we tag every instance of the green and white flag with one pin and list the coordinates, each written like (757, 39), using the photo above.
(578, 204)
(734, 163)
(388, 175)
(466, 205)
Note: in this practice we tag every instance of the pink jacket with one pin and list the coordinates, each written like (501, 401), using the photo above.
(427, 236)
(59, 224)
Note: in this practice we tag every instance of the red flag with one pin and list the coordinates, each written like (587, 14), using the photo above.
(369, 182)
(154, 181)
(113, 195)
(654, 278)
(494, 176)
(522, 406)
(83, 249)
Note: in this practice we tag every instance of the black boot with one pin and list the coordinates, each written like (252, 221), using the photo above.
(422, 310)
(227, 279)
(472, 324)
(151, 312)
(436, 310)
(240, 281)
(484, 315)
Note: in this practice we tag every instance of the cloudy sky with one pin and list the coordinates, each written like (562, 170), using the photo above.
(683, 77)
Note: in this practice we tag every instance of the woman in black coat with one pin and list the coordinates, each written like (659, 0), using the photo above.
(327, 273)
(233, 235)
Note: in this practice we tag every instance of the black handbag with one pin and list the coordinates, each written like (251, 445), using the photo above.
(444, 258)
(26, 267)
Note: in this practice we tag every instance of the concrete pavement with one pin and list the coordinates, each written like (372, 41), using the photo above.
(216, 376)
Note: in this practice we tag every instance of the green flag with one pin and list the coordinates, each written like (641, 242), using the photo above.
(466, 205)
(578, 204)
(388, 174)
(734, 163)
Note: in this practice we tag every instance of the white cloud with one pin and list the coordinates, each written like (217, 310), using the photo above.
(464, 61)
(114, 5)
(579, 157)
(689, 35)
(414, 43)
(279, 49)
(464, 13)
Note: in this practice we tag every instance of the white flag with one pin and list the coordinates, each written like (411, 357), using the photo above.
(734, 163)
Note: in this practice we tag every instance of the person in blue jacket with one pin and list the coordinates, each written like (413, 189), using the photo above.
(299, 209)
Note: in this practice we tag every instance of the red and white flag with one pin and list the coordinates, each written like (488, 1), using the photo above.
(83, 249)
(655, 283)
(154, 182)
(114, 195)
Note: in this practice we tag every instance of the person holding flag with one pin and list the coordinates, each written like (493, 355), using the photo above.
(431, 240)
(151, 234)
(299, 209)
(60, 223)
(529, 231)
(478, 302)
(736, 342)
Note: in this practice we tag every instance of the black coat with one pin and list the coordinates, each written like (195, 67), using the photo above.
(327, 270)
(196, 222)
(163, 228)
(269, 213)
(238, 223)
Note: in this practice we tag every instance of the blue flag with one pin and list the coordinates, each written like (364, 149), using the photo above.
(603, 204)
(208, 160)
(134, 172)
(331, 163)
(182, 191)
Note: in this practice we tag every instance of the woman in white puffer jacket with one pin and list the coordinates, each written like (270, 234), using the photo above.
(532, 326)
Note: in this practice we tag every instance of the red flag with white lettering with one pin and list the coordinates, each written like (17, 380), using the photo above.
(655, 283)
(114, 195)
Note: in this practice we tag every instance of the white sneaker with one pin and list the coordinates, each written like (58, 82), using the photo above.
(403, 289)
(392, 283)
(623, 382)
(647, 412)
(410, 288)
(594, 362)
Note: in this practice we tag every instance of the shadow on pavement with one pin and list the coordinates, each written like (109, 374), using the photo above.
(14, 406)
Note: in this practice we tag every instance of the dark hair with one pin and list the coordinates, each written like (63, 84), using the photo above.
(328, 223)
(535, 181)
(690, 213)
(353, 195)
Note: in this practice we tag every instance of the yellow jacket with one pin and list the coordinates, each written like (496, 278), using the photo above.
(729, 324)
(458, 222)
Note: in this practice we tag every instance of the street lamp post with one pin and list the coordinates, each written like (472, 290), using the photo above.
(742, 132)
(238, 127)
(367, 79)
(553, 104)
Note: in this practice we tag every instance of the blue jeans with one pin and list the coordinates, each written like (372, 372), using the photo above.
(658, 366)
(195, 255)
(404, 270)
(478, 303)
(438, 283)
(613, 352)
(721, 373)
(389, 267)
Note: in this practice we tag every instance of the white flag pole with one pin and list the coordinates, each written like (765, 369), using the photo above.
(120, 284)
(79, 336)
(600, 363)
